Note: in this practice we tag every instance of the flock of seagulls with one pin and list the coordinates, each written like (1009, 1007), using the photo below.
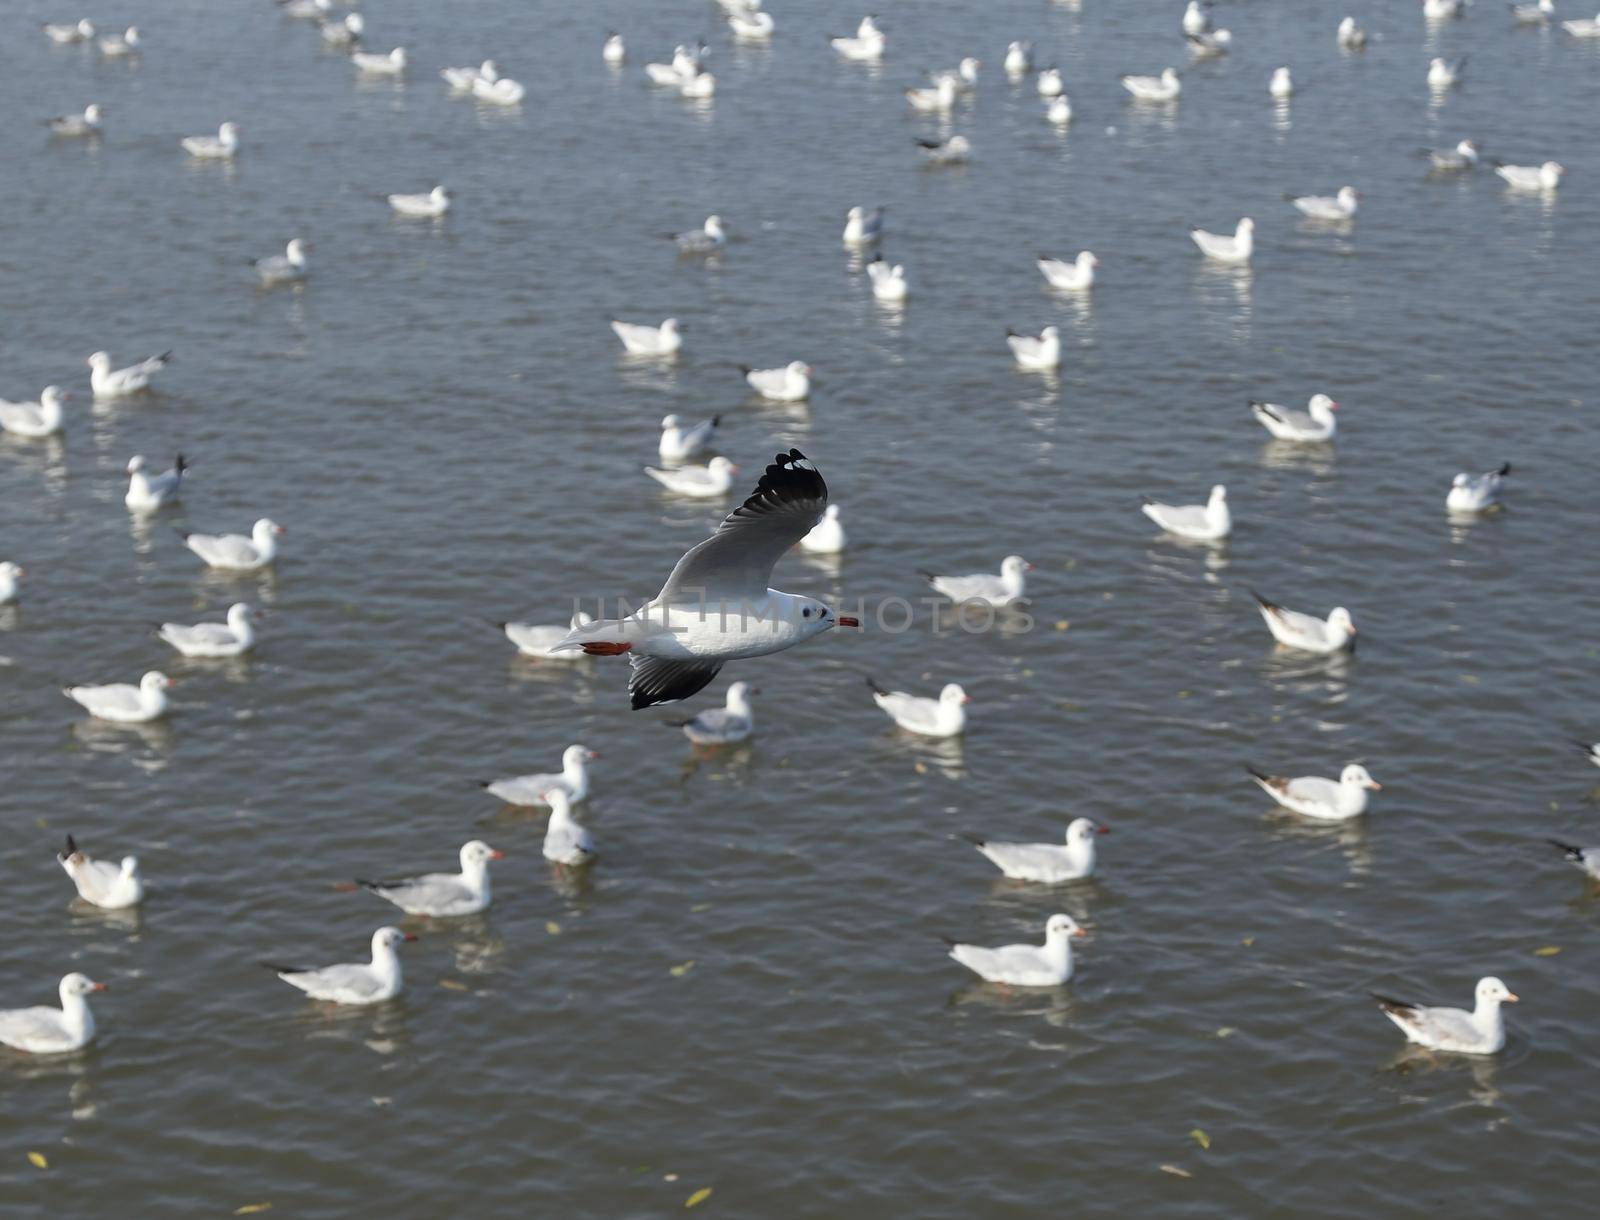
(716, 606)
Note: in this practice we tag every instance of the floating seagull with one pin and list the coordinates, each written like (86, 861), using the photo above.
(680, 440)
(1440, 10)
(1586, 28)
(108, 382)
(374, 64)
(1163, 88)
(707, 239)
(863, 226)
(1208, 522)
(964, 76)
(1341, 206)
(221, 146)
(80, 31)
(286, 268)
(868, 43)
(536, 641)
(1041, 353)
(1050, 863)
(888, 283)
(1533, 14)
(1306, 632)
(462, 79)
(1281, 85)
(752, 25)
(1019, 59)
(1316, 423)
(11, 575)
(231, 639)
(1453, 160)
(1224, 249)
(573, 779)
(733, 721)
(1586, 858)
(701, 84)
(945, 716)
(1196, 18)
(147, 492)
(112, 887)
(1210, 44)
(715, 478)
(1353, 38)
(1008, 587)
(716, 606)
(1047, 965)
(567, 843)
(346, 33)
(791, 383)
(1050, 83)
(940, 97)
(117, 45)
(614, 50)
(444, 894)
(303, 10)
(1479, 1032)
(425, 207)
(235, 552)
(1315, 797)
(123, 703)
(353, 982)
(53, 1031)
(503, 91)
(1476, 493)
(826, 536)
(1442, 73)
(76, 126)
(685, 64)
(661, 340)
(957, 150)
(1544, 177)
(1076, 276)
(34, 419)
(1059, 111)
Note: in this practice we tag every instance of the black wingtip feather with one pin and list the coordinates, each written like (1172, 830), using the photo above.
(876, 686)
(1504, 470)
(745, 369)
(950, 941)
(280, 969)
(1573, 853)
(975, 840)
(1388, 1003)
(1260, 775)
(1263, 602)
(179, 464)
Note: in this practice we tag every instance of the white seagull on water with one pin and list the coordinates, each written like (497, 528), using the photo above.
(1453, 160)
(1315, 797)
(663, 340)
(107, 382)
(1163, 88)
(444, 895)
(713, 479)
(1443, 73)
(123, 703)
(1008, 587)
(1544, 177)
(233, 638)
(69, 32)
(1050, 863)
(1041, 353)
(1208, 522)
(75, 126)
(791, 383)
(1315, 424)
(1047, 965)
(1534, 14)
(373, 63)
(680, 441)
(868, 43)
(148, 492)
(567, 842)
(1306, 632)
(945, 716)
(115, 46)
(429, 206)
(346, 33)
(461, 80)
(573, 779)
(286, 268)
(1223, 248)
(888, 282)
(1353, 38)
(1341, 206)
(716, 605)
(353, 982)
(957, 150)
(53, 1031)
(112, 887)
(221, 146)
(707, 239)
(1482, 1031)
(863, 226)
(1281, 86)
(34, 419)
(1476, 493)
(1076, 276)
(733, 721)
(11, 575)
(236, 552)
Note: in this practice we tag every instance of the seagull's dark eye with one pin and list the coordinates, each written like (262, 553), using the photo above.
(806, 613)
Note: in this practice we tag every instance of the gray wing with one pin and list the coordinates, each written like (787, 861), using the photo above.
(737, 561)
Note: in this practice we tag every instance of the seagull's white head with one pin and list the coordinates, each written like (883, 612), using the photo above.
(1083, 830)
(85, 28)
(440, 194)
(477, 854)
(1222, 38)
(77, 986)
(92, 112)
(1461, 480)
(1347, 27)
(1468, 149)
(670, 326)
(1348, 196)
(355, 23)
(387, 940)
(1014, 565)
(296, 251)
(1339, 620)
(669, 422)
(714, 226)
(1169, 77)
(228, 133)
(721, 465)
(958, 144)
(953, 696)
(131, 36)
(831, 513)
(239, 615)
(52, 396)
(1553, 169)
(573, 758)
(1060, 927)
(154, 681)
(739, 694)
(398, 57)
(1050, 333)
(1492, 991)
(136, 464)
(130, 866)
(799, 368)
(1321, 404)
(1246, 225)
(1219, 495)
(100, 361)
(265, 529)
(1086, 259)
(1355, 776)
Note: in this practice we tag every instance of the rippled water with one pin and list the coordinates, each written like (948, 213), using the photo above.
(748, 993)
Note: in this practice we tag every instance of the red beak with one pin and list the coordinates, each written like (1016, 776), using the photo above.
(99, 987)
(411, 936)
(497, 855)
(1105, 830)
(849, 620)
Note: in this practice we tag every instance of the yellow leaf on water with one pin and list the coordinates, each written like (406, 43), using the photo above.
(920, 767)
(682, 968)
(552, 927)
(698, 907)
(1184, 694)
(1248, 941)
(1547, 951)
(452, 985)
(1469, 679)
(1201, 1138)
(38, 1160)
(1227, 1031)
(250, 1209)
(1176, 1172)
(669, 1177)
(1063, 624)
(699, 1197)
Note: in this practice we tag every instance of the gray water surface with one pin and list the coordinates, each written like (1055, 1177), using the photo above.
(748, 993)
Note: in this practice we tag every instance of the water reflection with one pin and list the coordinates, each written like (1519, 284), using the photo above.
(1290, 668)
(46, 457)
(1221, 286)
(1053, 1004)
(1315, 458)
(1281, 116)
(1350, 836)
(946, 755)
(1418, 1061)
(381, 1028)
(106, 737)
(90, 920)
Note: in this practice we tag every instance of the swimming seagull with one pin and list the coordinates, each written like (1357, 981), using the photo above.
(1047, 965)
(286, 268)
(374, 64)
(863, 226)
(444, 895)
(791, 383)
(1163, 88)
(567, 843)
(1208, 522)
(108, 382)
(502, 91)
(1076, 276)
(1353, 38)
(680, 440)
(80, 31)
(945, 716)
(148, 492)
(1210, 44)
(941, 97)
(1586, 858)
(124, 703)
(353, 982)
(868, 42)
(112, 887)
(1282, 84)
(1544, 177)
(663, 340)
(53, 1031)
(1442, 73)
(702, 482)
(116, 45)
(1009, 587)
(462, 79)
(1050, 863)
(1050, 83)
(302, 10)
(573, 779)
(752, 25)
(1315, 797)
(346, 33)
(707, 239)
(733, 721)
(957, 150)
(1533, 14)
(827, 537)
(1441, 10)
(1041, 353)
(964, 76)
(614, 50)
(235, 552)
(1479, 1032)
(1453, 160)
(888, 283)
(11, 575)
(219, 147)
(34, 419)
(1341, 206)
(701, 84)
(1019, 59)
(1059, 111)
(1476, 493)
(1306, 632)
(1585, 28)
(76, 126)
(231, 639)
(684, 65)
(534, 640)
(716, 606)
(1227, 249)
(1315, 424)
(1196, 18)
(430, 206)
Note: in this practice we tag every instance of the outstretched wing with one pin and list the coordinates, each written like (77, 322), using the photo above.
(736, 562)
